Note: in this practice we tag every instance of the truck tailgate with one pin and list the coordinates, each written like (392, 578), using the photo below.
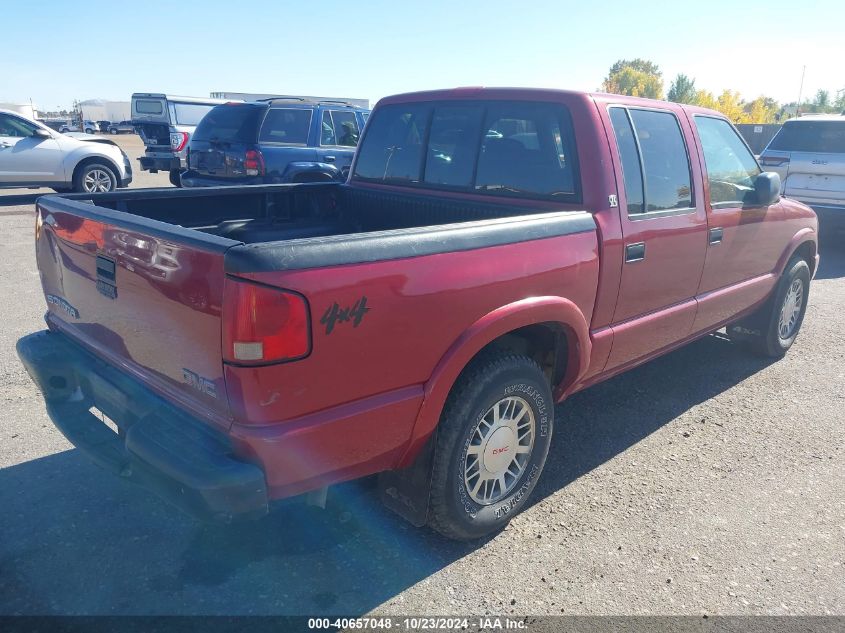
(143, 295)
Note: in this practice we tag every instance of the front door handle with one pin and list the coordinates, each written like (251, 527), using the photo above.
(635, 252)
(5, 144)
(330, 159)
(715, 235)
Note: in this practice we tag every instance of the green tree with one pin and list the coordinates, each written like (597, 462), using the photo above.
(822, 101)
(682, 90)
(761, 110)
(636, 77)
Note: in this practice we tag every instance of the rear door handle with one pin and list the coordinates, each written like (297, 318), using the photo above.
(330, 159)
(715, 235)
(635, 252)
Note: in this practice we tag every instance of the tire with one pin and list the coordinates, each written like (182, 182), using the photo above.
(96, 174)
(468, 499)
(64, 130)
(772, 330)
(89, 131)
(175, 177)
(112, 131)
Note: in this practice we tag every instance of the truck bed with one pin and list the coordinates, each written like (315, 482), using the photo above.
(260, 214)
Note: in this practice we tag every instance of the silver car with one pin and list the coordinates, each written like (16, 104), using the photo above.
(33, 155)
(809, 154)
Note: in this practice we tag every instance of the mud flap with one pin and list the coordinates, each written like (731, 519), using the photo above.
(407, 491)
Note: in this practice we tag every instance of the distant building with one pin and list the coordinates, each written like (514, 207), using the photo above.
(26, 109)
(249, 96)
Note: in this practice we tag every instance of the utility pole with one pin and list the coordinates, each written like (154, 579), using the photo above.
(800, 90)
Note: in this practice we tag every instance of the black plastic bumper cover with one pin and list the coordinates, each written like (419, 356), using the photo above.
(160, 446)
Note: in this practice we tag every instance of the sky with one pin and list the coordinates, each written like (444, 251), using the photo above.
(62, 51)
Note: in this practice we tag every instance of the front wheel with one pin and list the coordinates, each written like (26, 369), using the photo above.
(94, 178)
(492, 444)
(773, 329)
(113, 131)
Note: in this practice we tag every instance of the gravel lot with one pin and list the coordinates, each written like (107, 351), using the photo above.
(707, 481)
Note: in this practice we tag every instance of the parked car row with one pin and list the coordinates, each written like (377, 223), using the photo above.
(90, 127)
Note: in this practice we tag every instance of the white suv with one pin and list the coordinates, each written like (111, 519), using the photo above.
(809, 154)
(33, 155)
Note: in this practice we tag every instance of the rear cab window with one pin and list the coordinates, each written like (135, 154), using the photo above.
(507, 148)
(822, 137)
(229, 124)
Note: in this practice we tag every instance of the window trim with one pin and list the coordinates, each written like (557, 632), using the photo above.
(660, 213)
(282, 143)
(334, 128)
(576, 197)
(727, 204)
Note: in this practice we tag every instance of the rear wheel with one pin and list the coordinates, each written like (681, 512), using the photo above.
(492, 443)
(94, 178)
(113, 131)
(772, 330)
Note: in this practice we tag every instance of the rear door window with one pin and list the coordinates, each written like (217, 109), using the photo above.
(632, 172)
(824, 137)
(731, 168)
(188, 113)
(664, 159)
(229, 124)
(286, 125)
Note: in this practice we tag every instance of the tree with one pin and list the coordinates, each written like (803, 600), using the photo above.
(682, 90)
(761, 110)
(822, 101)
(636, 77)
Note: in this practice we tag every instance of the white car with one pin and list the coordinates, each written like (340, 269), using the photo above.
(32, 155)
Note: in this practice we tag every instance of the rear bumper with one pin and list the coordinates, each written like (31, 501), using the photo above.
(160, 447)
(158, 163)
(191, 178)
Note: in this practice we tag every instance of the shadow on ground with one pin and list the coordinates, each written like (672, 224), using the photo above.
(77, 540)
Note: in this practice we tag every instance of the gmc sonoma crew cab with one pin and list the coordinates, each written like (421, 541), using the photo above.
(492, 252)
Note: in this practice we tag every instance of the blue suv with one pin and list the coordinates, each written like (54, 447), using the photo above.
(274, 141)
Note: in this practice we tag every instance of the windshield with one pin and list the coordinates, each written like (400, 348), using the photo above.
(811, 136)
(230, 124)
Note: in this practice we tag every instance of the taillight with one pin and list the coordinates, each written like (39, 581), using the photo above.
(178, 140)
(262, 324)
(254, 163)
(773, 161)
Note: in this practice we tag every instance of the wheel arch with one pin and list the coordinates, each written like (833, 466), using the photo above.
(804, 244)
(529, 327)
(95, 158)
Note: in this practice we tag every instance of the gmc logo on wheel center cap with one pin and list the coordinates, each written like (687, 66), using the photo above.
(497, 451)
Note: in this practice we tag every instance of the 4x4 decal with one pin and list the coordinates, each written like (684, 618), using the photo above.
(335, 314)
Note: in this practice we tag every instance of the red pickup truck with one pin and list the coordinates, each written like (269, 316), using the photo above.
(492, 252)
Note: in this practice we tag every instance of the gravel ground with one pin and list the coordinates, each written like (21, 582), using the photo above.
(707, 481)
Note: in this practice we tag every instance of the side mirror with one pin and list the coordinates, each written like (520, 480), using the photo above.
(767, 187)
(41, 133)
